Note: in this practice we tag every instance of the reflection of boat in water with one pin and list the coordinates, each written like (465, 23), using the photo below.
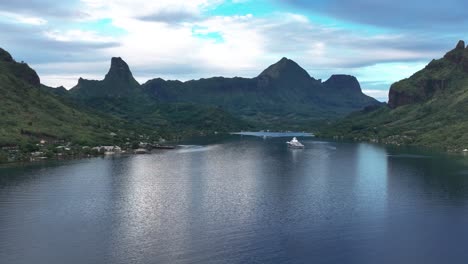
(141, 151)
(294, 143)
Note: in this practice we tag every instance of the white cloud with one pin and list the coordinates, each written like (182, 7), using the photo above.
(67, 73)
(171, 46)
(67, 81)
(76, 35)
(381, 95)
(140, 8)
(24, 19)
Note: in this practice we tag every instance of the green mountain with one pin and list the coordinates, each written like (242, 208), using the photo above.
(118, 82)
(29, 112)
(284, 95)
(427, 109)
(119, 94)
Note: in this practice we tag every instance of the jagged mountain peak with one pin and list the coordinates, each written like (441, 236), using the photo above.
(118, 82)
(458, 54)
(119, 70)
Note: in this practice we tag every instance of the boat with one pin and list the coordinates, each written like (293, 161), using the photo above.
(294, 143)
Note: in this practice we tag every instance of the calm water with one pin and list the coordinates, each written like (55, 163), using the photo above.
(242, 200)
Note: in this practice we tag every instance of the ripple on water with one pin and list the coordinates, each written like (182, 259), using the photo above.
(246, 200)
(194, 148)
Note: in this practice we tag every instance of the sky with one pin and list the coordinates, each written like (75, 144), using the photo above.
(379, 42)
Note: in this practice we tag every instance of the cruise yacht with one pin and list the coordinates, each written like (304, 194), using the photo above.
(294, 143)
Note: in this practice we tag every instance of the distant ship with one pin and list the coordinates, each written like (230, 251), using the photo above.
(294, 143)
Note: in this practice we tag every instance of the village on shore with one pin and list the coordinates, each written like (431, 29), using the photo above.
(62, 150)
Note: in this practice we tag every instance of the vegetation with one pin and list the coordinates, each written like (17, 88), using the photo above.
(29, 114)
(428, 109)
(283, 96)
(120, 95)
(42, 122)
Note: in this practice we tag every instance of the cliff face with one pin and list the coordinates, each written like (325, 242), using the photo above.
(344, 83)
(434, 78)
(427, 109)
(426, 89)
(120, 72)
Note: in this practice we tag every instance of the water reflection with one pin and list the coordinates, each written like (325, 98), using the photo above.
(372, 175)
(242, 200)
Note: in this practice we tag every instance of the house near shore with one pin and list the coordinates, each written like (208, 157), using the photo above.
(10, 148)
(114, 149)
(37, 154)
(63, 148)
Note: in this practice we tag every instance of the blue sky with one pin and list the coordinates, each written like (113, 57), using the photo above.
(379, 42)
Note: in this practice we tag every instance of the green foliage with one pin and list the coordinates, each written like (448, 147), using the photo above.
(438, 121)
(3, 157)
(29, 114)
(119, 111)
(284, 96)
(119, 95)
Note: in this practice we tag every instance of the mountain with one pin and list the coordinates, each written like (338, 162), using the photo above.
(17, 70)
(120, 95)
(437, 76)
(284, 71)
(283, 95)
(118, 82)
(29, 112)
(427, 109)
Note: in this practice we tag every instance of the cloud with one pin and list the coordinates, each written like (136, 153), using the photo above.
(319, 46)
(171, 16)
(177, 39)
(43, 8)
(401, 14)
(161, 10)
(78, 36)
(381, 95)
(23, 19)
(52, 46)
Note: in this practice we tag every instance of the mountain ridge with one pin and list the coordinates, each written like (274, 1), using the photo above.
(427, 109)
(435, 77)
(282, 94)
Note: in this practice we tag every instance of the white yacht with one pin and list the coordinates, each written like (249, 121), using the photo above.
(294, 143)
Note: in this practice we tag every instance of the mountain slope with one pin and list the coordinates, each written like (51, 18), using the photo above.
(283, 95)
(427, 109)
(30, 113)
